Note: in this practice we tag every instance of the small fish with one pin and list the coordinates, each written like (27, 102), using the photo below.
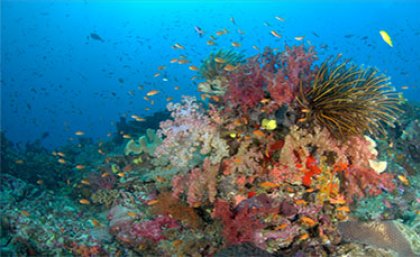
(84, 201)
(152, 202)
(173, 60)
(386, 38)
(236, 44)
(300, 38)
(338, 200)
(96, 37)
(256, 47)
(152, 92)
(121, 174)
(96, 223)
(157, 74)
(79, 133)
(176, 87)
(25, 213)
(61, 161)
(232, 19)
(229, 67)
(168, 99)
(177, 243)
(308, 221)
(269, 124)
(251, 194)
(343, 208)
(258, 133)
(300, 202)
(193, 68)
(199, 31)
(404, 87)
(161, 67)
(160, 179)
(281, 226)
(104, 175)
(61, 154)
(304, 236)
(219, 60)
(315, 34)
(19, 161)
(178, 46)
(275, 34)
(126, 136)
(211, 43)
(85, 182)
(279, 18)
(183, 61)
(404, 180)
(40, 181)
(233, 135)
(268, 185)
(132, 214)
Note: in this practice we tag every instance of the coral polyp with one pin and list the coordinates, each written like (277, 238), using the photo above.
(349, 100)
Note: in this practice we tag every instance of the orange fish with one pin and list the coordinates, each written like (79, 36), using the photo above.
(258, 133)
(121, 174)
(211, 42)
(268, 184)
(173, 60)
(104, 175)
(85, 182)
(25, 213)
(404, 180)
(152, 202)
(338, 200)
(84, 201)
(279, 18)
(343, 208)
(215, 98)
(96, 223)
(178, 46)
(126, 136)
(281, 226)
(219, 60)
(308, 221)
(300, 202)
(132, 214)
(193, 68)
(62, 161)
(183, 61)
(61, 154)
(274, 33)
(230, 67)
(236, 44)
(341, 166)
(152, 92)
(79, 133)
(168, 99)
(304, 236)
(80, 167)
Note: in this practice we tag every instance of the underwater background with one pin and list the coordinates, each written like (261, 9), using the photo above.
(210, 128)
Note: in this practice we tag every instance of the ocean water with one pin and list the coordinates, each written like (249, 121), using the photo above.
(82, 81)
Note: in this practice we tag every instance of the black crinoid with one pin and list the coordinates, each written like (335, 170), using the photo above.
(349, 100)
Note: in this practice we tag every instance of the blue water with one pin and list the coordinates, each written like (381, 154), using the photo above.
(56, 78)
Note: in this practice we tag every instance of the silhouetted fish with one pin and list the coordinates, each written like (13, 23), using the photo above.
(96, 37)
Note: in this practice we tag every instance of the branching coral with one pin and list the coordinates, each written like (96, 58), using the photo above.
(349, 100)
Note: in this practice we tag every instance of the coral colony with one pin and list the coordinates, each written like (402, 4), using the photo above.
(276, 154)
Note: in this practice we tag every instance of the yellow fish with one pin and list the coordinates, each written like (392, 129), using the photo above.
(269, 124)
(385, 37)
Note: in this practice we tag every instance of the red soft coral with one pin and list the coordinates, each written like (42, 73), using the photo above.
(358, 182)
(246, 87)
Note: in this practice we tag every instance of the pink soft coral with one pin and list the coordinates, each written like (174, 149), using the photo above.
(358, 182)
